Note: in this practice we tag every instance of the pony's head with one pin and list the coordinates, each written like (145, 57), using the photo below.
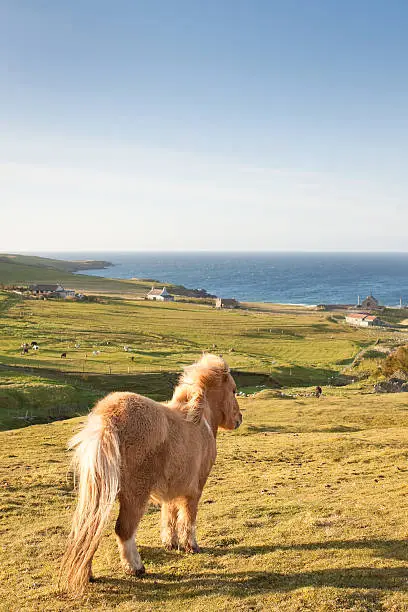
(207, 386)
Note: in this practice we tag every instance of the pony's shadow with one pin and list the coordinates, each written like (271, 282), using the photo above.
(389, 549)
(156, 586)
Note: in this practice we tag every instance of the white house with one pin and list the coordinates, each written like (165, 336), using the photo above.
(161, 295)
(362, 319)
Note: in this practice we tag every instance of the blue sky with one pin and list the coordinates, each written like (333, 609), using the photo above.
(185, 125)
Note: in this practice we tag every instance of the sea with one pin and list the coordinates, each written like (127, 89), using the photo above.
(285, 278)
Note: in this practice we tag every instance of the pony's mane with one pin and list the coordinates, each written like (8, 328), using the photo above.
(189, 395)
(204, 372)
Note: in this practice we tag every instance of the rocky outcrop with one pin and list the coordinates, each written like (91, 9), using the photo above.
(393, 385)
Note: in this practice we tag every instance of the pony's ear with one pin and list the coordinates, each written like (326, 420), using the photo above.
(195, 406)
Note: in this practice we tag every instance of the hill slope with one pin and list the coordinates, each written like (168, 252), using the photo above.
(305, 510)
(27, 269)
(50, 263)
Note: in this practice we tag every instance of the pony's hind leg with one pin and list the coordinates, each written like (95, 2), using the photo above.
(186, 524)
(130, 514)
(169, 535)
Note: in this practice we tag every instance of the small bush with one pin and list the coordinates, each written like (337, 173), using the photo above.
(396, 361)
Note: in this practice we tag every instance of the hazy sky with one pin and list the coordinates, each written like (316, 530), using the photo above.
(211, 124)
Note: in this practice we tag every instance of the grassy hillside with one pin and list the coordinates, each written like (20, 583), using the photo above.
(28, 269)
(297, 349)
(24, 269)
(27, 398)
(306, 509)
(50, 263)
(280, 348)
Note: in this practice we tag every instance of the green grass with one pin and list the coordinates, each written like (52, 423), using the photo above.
(305, 510)
(29, 272)
(50, 263)
(288, 348)
(306, 507)
(295, 348)
(26, 398)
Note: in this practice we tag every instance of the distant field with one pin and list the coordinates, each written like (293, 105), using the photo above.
(56, 264)
(306, 509)
(306, 349)
(279, 349)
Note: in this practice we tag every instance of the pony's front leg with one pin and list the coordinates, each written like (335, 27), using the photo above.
(130, 514)
(186, 524)
(169, 535)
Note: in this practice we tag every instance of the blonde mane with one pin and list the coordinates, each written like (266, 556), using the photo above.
(189, 395)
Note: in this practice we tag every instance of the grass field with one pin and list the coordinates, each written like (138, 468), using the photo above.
(309, 347)
(288, 348)
(306, 509)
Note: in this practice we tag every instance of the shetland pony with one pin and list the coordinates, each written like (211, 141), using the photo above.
(138, 450)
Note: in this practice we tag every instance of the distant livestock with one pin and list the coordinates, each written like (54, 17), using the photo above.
(63, 355)
(138, 449)
(24, 348)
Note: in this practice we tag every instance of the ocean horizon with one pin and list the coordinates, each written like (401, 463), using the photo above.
(306, 278)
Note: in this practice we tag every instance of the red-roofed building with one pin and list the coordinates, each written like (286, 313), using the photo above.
(362, 319)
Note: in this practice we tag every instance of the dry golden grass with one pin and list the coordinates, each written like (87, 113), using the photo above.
(306, 509)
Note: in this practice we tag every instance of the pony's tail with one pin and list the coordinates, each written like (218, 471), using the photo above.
(97, 459)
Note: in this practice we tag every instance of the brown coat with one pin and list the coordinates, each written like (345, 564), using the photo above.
(138, 449)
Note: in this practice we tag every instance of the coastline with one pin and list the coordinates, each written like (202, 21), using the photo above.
(293, 280)
(90, 264)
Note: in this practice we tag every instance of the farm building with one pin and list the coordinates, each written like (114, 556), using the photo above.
(51, 291)
(362, 319)
(226, 303)
(161, 295)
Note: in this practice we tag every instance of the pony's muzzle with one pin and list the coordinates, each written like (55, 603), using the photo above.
(238, 422)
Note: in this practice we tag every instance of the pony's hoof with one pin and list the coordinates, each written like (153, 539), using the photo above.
(196, 549)
(192, 549)
(92, 578)
(170, 547)
(135, 572)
